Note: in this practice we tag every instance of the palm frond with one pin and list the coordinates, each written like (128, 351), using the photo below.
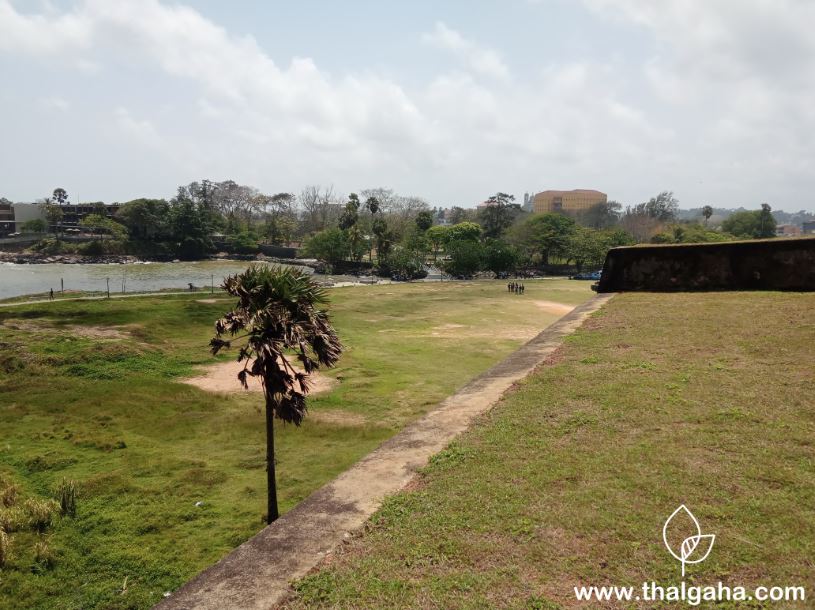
(277, 309)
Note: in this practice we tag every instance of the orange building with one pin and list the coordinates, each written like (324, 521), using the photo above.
(577, 200)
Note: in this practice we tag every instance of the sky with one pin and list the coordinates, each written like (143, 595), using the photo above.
(450, 101)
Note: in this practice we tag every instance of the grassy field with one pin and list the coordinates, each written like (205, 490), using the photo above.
(659, 400)
(90, 391)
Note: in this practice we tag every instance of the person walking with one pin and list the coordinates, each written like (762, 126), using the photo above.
(51, 295)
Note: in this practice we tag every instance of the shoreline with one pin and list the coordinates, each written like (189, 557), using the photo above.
(31, 258)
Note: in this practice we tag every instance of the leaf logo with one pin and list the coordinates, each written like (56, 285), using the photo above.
(696, 543)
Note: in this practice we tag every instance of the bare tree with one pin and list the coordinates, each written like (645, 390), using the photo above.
(321, 208)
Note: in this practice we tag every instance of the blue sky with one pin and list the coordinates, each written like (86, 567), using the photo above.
(450, 101)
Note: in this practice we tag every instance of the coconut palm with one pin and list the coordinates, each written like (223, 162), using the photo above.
(277, 314)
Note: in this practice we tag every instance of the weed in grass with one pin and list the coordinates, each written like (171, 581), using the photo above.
(13, 519)
(66, 496)
(5, 547)
(44, 556)
(8, 494)
(40, 513)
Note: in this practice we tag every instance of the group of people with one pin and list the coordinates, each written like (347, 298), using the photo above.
(515, 287)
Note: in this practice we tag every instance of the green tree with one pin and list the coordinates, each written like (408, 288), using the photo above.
(459, 215)
(436, 236)
(146, 219)
(59, 196)
(750, 224)
(383, 237)
(587, 247)
(278, 315)
(499, 257)
(465, 257)
(766, 222)
(101, 226)
(356, 243)
(404, 263)
(190, 224)
(464, 231)
(373, 206)
(498, 214)
(53, 215)
(351, 215)
(280, 219)
(424, 220)
(38, 225)
(707, 212)
(544, 235)
(663, 207)
(602, 215)
(330, 246)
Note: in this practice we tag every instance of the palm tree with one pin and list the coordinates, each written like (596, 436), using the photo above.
(372, 203)
(707, 212)
(278, 316)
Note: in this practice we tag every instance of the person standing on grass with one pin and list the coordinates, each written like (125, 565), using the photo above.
(51, 295)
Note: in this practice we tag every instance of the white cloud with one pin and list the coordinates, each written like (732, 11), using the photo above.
(54, 102)
(42, 34)
(712, 101)
(139, 131)
(481, 60)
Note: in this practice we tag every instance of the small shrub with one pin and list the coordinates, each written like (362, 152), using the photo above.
(92, 248)
(66, 496)
(40, 513)
(13, 519)
(44, 557)
(5, 547)
(8, 495)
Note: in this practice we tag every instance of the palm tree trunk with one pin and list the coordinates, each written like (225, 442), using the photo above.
(271, 484)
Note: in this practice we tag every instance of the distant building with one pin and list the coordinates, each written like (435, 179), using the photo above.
(6, 218)
(577, 200)
(787, 230)
(72, 215)
(14, 215)
(808, 228)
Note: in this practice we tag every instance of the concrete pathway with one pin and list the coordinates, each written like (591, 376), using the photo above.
(257, 574)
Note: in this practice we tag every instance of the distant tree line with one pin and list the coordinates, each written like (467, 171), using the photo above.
(395, 234)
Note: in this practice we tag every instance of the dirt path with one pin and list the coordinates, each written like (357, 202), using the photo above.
(257, 574)
(223, 377)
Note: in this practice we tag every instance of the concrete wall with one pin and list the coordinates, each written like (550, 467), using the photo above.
(779, 264)
(23, 212)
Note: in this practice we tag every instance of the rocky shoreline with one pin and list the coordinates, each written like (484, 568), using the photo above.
(32, 258)
(20, 258)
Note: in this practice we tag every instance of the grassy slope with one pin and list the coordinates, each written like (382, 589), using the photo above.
(110, 414)
(659, 400)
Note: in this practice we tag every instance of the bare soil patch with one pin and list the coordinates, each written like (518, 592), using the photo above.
(117, 333)
(223, 377)
(554, 307)
(338, 417)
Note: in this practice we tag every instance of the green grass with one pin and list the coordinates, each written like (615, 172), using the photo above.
(659, 400)
(90, 391)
